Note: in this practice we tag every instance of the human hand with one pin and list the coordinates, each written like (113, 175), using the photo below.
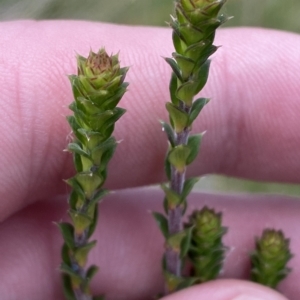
(252, 131)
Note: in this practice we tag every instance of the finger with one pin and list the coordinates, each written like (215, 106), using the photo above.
(251, 123)
(227, 290)
(130, 246)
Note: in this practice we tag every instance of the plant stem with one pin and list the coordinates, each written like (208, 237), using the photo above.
(173, 261)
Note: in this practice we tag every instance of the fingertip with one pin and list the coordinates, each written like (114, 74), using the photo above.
(227, 289)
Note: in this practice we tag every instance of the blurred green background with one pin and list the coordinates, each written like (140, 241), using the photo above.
(279, 14)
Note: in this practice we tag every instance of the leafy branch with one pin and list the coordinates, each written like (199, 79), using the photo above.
(97, 88)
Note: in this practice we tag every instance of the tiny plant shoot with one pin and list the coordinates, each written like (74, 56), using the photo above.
(97, 88)
(194, 27)
(269, 260)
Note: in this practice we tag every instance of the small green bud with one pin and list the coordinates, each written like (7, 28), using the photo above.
(207, 250)
(98, 63)
(270, 258)
(99, 82)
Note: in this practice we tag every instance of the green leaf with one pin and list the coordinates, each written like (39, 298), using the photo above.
(97, 121)
(77, 162)
(173, 89)
(74, 125)
(162, 223)
(99, 153)
(168, 168)
(76, 187)
(207, 51)
(202, 76)
(67, 231)
(196, 108)
(172, 63)
(75, 201)
(178, 44)
(81, 221)
(105, 145)
(117, 114)
(112, 102)
(67, 287)
(194, 145)
(187, 91)
(91, 272)
(94, 222)
(173, 199)
(185, 64)
(98, 195)
(74, 84)
(89, 182)
(174, 241)
(179, 118)
(188, 186)
(169, 132)
(190, 33)
(186, 242)
(106, 157)
(214, 8)
(81, 253)
(86, 105)
(175, 26)
(197, 52)
(75, 147)
(178, 157)
(65, 254)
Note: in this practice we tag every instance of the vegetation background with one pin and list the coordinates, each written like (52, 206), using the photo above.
(278, 14)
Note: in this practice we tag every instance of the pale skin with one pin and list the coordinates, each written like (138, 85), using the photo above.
(252, 128)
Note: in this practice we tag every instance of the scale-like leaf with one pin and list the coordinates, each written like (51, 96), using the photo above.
(179, 118)
(67, 231)
(162, 223)
(178, 157)
(172, 63)
(194, 145)
(188, 186)
(169, 132)
(196, 109)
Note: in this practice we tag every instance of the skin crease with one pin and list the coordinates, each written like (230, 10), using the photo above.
(252, 131)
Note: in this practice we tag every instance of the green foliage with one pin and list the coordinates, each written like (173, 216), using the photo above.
(270, 258)
(97, 88)
(188, 186)
(178, 157)
(169, 132)
(194, 146)
(207, 250)
(179, 118)
(162, 223)
(193, 34)
(196, 109)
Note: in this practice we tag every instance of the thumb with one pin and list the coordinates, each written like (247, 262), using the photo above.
(227, 289)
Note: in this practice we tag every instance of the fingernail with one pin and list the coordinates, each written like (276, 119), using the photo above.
(247, 297)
